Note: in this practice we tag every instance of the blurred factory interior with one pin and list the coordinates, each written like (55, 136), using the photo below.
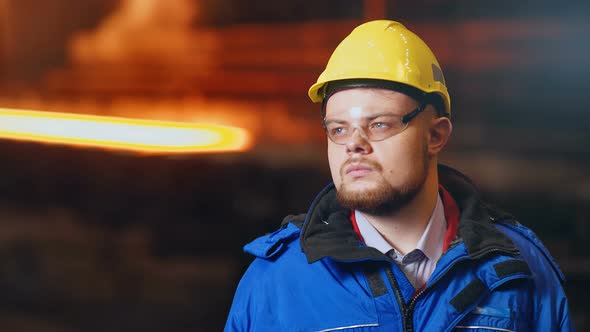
(93, 239)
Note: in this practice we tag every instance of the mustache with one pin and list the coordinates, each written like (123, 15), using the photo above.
(354, 161)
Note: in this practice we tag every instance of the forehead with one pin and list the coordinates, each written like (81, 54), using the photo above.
(359, 102)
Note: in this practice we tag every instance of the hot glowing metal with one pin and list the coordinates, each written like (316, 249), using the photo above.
(149, 136)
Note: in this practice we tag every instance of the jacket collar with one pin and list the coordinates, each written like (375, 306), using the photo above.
(327, 230)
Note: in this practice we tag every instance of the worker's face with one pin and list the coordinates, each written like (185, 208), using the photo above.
(376, 176)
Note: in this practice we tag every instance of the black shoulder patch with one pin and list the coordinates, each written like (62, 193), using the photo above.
(469, 295)
(376, 283)
(511, 267)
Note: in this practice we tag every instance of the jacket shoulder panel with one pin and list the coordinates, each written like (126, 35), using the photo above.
(273, 244)
(287, 293)
(525, 237)
(548, 300)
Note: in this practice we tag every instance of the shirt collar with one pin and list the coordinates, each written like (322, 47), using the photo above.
(431, 242)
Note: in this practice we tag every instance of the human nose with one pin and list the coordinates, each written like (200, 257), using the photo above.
(358, 142)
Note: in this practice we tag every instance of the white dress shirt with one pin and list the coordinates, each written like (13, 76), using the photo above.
(419, 263)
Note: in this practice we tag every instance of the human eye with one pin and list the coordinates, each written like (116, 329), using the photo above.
(336, 130)
(381, 125)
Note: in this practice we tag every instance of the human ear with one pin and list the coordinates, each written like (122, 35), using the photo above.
(439, 134)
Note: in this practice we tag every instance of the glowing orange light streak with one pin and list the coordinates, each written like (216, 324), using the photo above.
(139, 135)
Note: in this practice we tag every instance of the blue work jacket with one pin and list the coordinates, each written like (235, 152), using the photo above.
(314, 274)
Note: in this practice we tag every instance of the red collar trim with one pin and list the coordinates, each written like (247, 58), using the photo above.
(355, 226)
(451, 215)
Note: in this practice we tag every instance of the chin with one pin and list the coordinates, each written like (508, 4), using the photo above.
(359, 184)
(360, 187)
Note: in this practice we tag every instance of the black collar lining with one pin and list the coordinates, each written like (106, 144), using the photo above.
(328, 232)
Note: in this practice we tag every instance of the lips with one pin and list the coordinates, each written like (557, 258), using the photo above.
(358, 170)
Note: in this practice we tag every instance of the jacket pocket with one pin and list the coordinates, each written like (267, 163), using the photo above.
(488, 319)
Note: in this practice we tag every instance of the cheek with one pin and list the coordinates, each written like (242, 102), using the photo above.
(336, 158)
(399, 160)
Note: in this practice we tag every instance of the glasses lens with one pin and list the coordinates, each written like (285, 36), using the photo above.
(384, 127)
(338, 133)
(375, 130)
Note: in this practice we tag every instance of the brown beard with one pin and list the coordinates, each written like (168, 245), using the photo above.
(385, 199)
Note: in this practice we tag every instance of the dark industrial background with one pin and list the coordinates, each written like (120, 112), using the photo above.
(99, 240)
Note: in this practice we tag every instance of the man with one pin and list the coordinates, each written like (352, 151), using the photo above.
(397, 242)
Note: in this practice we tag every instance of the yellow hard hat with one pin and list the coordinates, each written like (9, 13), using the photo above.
(385, 51)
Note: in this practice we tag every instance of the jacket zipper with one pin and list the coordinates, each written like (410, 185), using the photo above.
(408, 310)
(406, 323)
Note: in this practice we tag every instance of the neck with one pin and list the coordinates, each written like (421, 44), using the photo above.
(404, 227)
